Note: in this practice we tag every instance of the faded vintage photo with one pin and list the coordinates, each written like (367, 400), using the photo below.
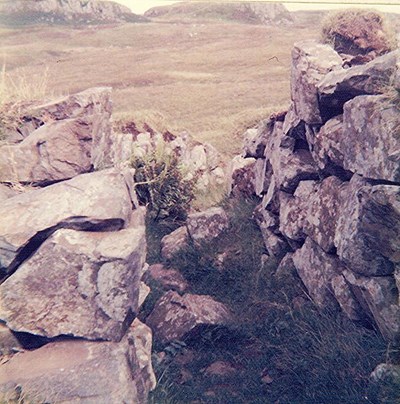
(199, 202)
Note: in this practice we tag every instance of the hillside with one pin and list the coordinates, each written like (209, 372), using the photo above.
(22, 12)
(251, 12)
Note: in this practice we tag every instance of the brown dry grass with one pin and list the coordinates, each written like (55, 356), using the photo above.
(211, 79)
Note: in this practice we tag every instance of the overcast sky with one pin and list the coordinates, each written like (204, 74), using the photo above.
(140, 6)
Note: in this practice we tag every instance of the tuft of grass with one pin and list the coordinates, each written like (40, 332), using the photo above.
(334, 23)
(15, 95)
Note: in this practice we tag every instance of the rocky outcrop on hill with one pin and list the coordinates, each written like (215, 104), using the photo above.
(72, 255)
(67, 11)
(249, 12)
(331, 201)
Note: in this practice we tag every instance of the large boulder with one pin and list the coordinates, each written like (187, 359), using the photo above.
(95, 201)
(371, 138)
(311, 61)
(60, 139)
(56, 151)
(174, 316)
(84, 284)
(368, 229)
(339, 86)
(79, 371)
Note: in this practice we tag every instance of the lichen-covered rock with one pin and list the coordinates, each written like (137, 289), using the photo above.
(317, 269)
(141, 337)
(368, 228)
(370, 142)
(96, 201)
(56, 151)
(339, 86)
(346, 299)
(289, 166)
(174, 242)
(74, 371)
(84, 284)
(169, 279)
(174, 316)
(311, 61)
(242, 175)
(63, 142)
(207, 225)
(327, 143)
(292, 212)
(322, 209)
(255, 139)
(200, 227)
(379, 296)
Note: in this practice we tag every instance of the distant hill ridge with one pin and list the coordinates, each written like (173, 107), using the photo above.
(247, 12)
(69, 11)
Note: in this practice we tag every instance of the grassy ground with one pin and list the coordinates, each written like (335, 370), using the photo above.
(281, 348)
(211, 79)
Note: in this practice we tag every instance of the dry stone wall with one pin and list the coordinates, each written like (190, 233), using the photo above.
(72, 256)
(331, 202)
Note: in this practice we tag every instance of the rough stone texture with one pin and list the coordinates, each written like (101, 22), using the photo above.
(387, 378)
(311, 61)
(60, 139)
(170, 279)
(379, 296)
(289, 166)
(98, 201)
(346, 299)
(174, 315)
(56, 151)
(6, 192)
(276, 245)
(74, 371)
(368, 230)
(84, 284)
(292, 213)
(317, 269)
(242, 176)
(262, 176)
(255, 139)
(141, 337)
(207, 225)
(327, 143)
(321, 208)
(371, 138)
(174, 242)
(8, 342)
(339, 86)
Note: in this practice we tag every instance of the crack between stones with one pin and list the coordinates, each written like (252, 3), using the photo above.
(79, 223)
